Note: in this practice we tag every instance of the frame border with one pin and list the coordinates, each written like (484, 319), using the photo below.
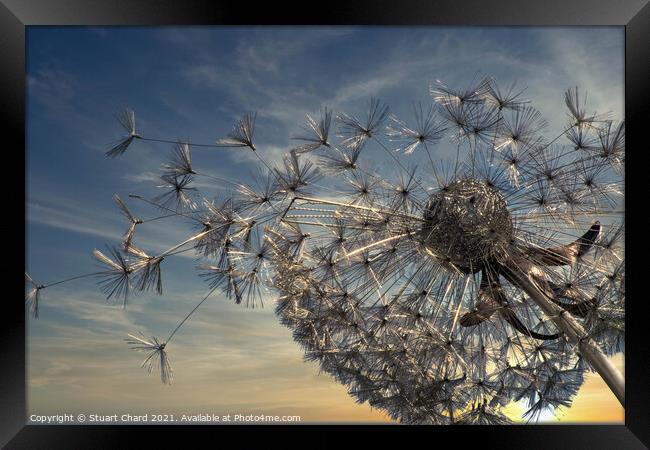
(634, 15)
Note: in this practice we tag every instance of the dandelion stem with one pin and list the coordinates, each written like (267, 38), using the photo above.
(187, 241)
(158, 205)
(169, 141)
(573, 331)
(159, 217)
(189, 314)
(69, 279)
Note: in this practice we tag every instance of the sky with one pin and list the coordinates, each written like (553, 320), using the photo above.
(193, 83)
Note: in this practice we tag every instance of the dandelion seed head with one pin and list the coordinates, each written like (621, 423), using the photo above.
(409, 291)
(467, 222)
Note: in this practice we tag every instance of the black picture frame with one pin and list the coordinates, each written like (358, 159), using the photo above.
(634, 15)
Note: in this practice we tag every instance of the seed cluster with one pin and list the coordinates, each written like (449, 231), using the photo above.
(467, 223)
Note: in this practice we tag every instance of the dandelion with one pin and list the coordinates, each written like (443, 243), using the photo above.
(127, 119)
(440, 295)
(460, 256)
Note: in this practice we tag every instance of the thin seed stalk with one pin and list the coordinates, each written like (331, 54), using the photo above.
(576, 335)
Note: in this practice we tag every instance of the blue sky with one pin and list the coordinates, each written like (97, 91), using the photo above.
(192, 83)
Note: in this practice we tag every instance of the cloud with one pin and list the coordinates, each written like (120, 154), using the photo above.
(72, 219)
(53, 88)
(108, 224)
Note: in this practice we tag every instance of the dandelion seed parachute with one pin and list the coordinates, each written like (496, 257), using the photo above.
(32, 297)
(317, 132)
(335, 159)
(146, 270)
(508, 98)
(181, 161)
(179, 192)
(241, 134)
(134, 222)
(127, 119)
(297, 176)
(427, 130)
(355, 131)
(577, 110)
(156, 355)
(116, 278)
(261, 193)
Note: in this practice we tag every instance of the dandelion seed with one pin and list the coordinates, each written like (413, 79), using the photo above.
(259, 194)
(242, 133)
(355, 131)
(178, 195)
(522, 130)
(297, 176)
(581, 138)
(362, 187)
(475, 93)
(317, 133)
(128, 236)
(426, 131)
(481, 124)
(115, 281)
(457, 114)
(127, 120)
(612, 144)
(249, 264)
(181, 161)
(610, 247)
(224, 277)
(156, 357)
(220, 219)
(146, 270)
(32, 297)
(577, 109)
(405, 191)
(334, 159)
(504, 99)
(483, 415)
